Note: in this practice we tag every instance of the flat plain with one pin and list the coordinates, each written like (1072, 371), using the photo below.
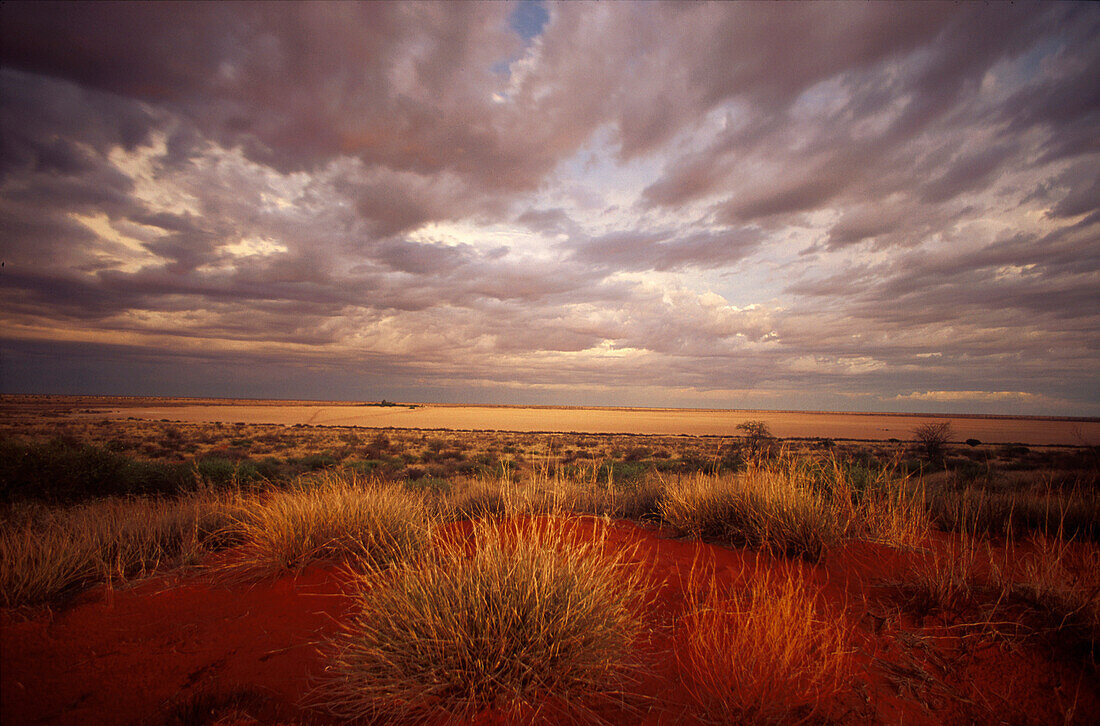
(646, 421)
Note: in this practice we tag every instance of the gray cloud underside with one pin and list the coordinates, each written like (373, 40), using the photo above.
(303, 153)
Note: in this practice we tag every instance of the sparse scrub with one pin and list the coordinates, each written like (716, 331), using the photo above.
(1074, 511)
(761, 654)
(521, 617)
(46, 553)
(578, 489)
(954, 578)
(1059, 583)
(331, 518)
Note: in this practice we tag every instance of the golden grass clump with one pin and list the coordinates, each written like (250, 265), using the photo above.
(797, 506)
(521, 620)
(331, 518)
(761, 654)
(47, 553)
(891, 515)
(764, 507)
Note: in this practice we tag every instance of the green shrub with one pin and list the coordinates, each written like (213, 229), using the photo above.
(219, 473)
(66, 472)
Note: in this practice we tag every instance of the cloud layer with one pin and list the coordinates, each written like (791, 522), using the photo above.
(856, 206)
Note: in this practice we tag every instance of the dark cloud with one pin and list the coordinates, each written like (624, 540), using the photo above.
(664, 251)
(795, 197)
(611, 198)
(911, 105)
(548, 220)
(969, 171)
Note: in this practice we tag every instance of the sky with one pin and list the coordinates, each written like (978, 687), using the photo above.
(855, 206)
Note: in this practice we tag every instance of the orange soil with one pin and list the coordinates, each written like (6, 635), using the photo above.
(126, 656)
(697, 422)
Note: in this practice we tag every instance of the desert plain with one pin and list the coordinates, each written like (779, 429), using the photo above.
(212, 562)
(643, 421)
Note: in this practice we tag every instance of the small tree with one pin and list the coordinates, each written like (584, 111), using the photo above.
(933, 437)
(758, 438)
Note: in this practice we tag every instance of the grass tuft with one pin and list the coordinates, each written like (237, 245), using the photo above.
(331, 518)
(761, 654)
(954, 578)
(47, 553)
(518, 618)
(763, 507)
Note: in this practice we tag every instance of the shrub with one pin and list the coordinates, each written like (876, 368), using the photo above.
(530, 615)
(613, 471)
(63, 471)
(758, 438)
(317, 462)
(932, 438)
(219, 472)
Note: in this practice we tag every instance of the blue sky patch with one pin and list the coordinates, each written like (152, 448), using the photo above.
(529, 18)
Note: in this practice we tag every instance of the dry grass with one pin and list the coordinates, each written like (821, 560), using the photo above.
(764, 507)
(1059, 583)
(762, 654)
(331, 518)
(542, 492)
(515, 620)
(48, 553)
(1075, 511)
(797, 506)
(954, 578)
(1052, 590)
(893, 515)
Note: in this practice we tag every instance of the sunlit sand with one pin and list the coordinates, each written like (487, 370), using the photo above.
(876, 427)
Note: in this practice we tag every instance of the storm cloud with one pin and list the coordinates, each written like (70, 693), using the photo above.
(831, 205)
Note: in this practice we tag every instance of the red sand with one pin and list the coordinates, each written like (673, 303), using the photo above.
(121, 657)
(127, 656)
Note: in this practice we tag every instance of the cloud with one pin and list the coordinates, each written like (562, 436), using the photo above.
(814, 205)
(666, 250)
(966, 396)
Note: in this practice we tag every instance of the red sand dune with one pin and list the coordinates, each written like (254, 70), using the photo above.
(126, 656)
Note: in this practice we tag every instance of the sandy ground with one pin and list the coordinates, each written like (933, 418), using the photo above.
(880, 427)
(126, 656)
